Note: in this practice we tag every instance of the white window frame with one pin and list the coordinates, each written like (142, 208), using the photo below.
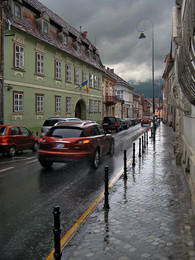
(18, 56)
(76, 75)
(39, 103)
(95, 82)
(84, 76)
(91, 80)
(99, 83)
(99, 106)
(95, 106)
(68, 105)
(39, 63)
(18, 101)
(58, 69)
(68, 72)
(45, 27)
(57, 104)
(91, 106)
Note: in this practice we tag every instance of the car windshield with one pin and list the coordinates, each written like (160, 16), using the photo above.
(109, 119)
(3, 130)
(66, 132)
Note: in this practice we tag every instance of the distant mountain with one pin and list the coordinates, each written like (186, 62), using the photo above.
(146, 88)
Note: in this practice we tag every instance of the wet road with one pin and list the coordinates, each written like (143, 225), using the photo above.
(28, 194)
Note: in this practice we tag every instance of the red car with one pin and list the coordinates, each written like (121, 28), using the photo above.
(145, 121)
(68, 141)
(15, 138)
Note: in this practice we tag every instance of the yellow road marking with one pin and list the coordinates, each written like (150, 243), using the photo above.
(72, 231)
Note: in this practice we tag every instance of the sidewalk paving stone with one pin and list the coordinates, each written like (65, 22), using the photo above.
(149, 216)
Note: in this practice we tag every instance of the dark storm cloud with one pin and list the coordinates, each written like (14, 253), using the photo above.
(111, 26)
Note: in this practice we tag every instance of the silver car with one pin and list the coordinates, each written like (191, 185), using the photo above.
(51, 121)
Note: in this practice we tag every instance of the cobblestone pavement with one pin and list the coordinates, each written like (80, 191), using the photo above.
(149, 215)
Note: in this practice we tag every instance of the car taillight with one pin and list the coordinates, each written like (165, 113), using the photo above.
(115, 123)
(148, 120)
(83, 141)
(142, 120)
(102, 123)
(4, 140)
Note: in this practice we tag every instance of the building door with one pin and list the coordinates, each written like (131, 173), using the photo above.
(80, 110)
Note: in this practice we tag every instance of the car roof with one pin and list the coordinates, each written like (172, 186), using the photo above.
(81, 123)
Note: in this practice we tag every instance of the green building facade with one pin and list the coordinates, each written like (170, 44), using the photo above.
(45, 63)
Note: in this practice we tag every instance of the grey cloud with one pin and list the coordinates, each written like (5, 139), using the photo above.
(111, 24)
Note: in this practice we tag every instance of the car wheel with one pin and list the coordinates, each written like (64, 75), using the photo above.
(46, 164)
(35, 147)
(12, 151)
(111, 152)
(96, 159)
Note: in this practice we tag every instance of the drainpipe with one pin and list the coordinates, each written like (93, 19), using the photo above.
(2, 69)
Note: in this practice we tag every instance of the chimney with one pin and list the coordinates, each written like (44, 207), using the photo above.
(85, 34)
(112, 70)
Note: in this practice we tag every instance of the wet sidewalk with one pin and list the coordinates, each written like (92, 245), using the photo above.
(149, 215)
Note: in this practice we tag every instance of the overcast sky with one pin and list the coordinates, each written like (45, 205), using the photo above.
(111, 26)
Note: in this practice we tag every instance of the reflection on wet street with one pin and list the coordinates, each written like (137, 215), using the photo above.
(149, 216)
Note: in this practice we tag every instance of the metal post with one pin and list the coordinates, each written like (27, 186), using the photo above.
(133, 154)
(142, 144)
(139, 147)
(147, 138)
(144, 140)
(57, 231)
(125, 164)
(106, 193)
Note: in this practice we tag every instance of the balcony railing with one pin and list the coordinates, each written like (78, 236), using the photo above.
(110, 100)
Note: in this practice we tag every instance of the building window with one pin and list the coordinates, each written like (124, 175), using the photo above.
(76, 75)
(119, 93)
(91, 80)
(68, 72)
(91, 106)
(58, 104)
(68, 105)
(99, 83)
(99, 106)
(39, 103)
(84, 76)
(39, 63)
(18, 56)
(95, 82)
(17, 11)
(58, 69)
(18, 102)
(65, 39)
(95, 106)
(45, 27)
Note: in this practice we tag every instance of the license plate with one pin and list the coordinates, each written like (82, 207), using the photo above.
(59, 145)
(105, 123)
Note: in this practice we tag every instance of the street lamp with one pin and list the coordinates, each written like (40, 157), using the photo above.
(141, 29)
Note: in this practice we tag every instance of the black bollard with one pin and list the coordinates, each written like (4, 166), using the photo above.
(57, 231)
(142, 144)
(133, 154)
(139, 147)
(106, 193)
(125, 164)
(147, 138)
(144, 140)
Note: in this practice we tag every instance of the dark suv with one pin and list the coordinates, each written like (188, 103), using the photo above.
(112, 123)
(68, 141)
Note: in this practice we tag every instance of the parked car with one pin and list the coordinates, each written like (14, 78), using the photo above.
(112, 123)
(133, 121)
(68, 141)
(125, 123)
(51, 121)
(145, 121)
(14, 138)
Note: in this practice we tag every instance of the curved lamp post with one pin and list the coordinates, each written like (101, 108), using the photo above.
(141, 27)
